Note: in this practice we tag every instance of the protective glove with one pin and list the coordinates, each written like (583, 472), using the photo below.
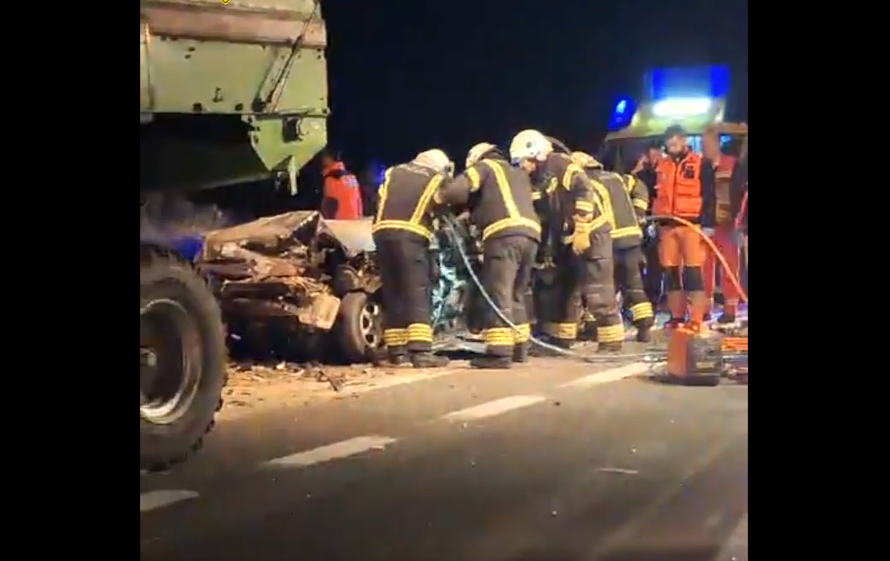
(580, 238)
(708, 231)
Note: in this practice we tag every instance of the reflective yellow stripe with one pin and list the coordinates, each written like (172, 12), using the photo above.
(413, 224)
(403, 225)
(499, 336)
(536, 195)
(384, 191)
(523, 333)
(610, 333)
(641, 204)
(583, 206)
(605, 201)
(513, 219)
(395, 337)
(475, 180)
(571, 170)
(641, 311)
(626, 232)
(420, 332)
(424, 202)
(567, 331)
(629, 184)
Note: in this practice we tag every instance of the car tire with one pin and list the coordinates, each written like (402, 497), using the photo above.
(359, 326)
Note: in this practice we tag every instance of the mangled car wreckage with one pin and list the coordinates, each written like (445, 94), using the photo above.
(298, 284)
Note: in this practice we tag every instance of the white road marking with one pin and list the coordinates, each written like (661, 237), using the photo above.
(342, 449)
(400, 380)
(166, 497)
(736, 548)
(623, 471)
(607, 376)
(492, 408)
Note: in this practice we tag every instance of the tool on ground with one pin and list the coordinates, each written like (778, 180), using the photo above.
(692, 347)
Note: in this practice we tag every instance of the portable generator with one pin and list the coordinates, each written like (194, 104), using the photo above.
(695, 356)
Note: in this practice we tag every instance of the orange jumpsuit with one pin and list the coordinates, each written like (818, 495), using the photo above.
(342, 195)
(723, 238)
(684, 185)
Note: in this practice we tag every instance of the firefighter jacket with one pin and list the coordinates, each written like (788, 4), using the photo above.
(405, 200)
(639, 195)
(342, 195)
(499, 198)
(617, 207)
(685, 189)
(569, 197)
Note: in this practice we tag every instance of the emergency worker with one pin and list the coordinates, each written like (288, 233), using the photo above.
(723, 234)
(684, 183)
(342, 197)
(402, 233)
(625, 201)
(499, 198)
(579, 232)
(646, 172)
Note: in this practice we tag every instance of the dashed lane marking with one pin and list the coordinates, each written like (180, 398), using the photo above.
(607, 376)
(342, 449)
(492, 408)
(400, 380)
(165, 497)
(736, 548)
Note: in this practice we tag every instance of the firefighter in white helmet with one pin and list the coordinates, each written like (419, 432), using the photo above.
(625, 201)
(499, 198)
(579, 231)
(402, 232)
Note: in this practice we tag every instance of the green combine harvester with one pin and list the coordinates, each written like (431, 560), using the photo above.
(230, 92)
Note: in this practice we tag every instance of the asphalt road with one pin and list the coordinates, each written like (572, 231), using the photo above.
(556, 461)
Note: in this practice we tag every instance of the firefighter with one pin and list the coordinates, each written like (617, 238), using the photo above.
(582, 244)
(402, 234)
(684, 184)
(342, 197)
(625, 201)
(645, 172)
(499, 198)
(723, 234)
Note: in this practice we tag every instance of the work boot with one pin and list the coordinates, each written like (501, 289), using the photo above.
(520, 352)
(545, 352)
(611, 347)
(491, 361)
(644, 334)
(726, 318)
(587, 331)
(428, 360)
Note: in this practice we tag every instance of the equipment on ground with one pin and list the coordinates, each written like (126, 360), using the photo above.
(695, 356)
(230, 92)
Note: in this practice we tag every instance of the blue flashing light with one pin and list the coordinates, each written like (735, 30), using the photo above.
(623, 113)
(697, 81)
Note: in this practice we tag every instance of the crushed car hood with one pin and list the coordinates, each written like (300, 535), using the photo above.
(354, 236)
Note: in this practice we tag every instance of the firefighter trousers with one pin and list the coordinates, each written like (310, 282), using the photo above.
(588, 280)
(405, 268)
(653, 272)
(724, 239)
(506, 274)
(629, 281)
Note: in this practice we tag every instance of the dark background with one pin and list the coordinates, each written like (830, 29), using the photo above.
(407, 76)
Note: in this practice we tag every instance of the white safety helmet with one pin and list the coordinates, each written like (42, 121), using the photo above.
(435, 159)
(529, 145)
(476, 152)
(585, 160)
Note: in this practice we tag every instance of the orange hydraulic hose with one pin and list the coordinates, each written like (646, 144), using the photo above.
(726, 271)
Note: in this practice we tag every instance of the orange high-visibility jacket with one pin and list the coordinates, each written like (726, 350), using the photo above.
(342, 195)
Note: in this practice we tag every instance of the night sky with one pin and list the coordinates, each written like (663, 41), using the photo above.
(410, 75)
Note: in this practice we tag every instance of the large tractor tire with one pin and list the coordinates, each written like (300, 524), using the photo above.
(182, 352)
